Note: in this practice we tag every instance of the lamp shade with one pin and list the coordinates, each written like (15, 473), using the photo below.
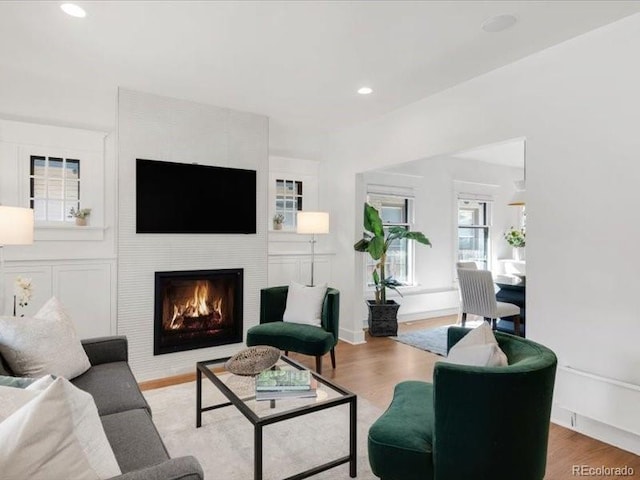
(518, 197)
(313, 222)
(16, 226)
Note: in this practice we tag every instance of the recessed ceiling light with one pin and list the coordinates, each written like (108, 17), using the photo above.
(73, 10)
(365, 90)
(498, 23)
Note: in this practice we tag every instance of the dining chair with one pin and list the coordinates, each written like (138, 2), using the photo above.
(467, 265)
(479, 298)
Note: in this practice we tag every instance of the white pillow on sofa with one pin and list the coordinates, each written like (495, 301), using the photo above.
(44, 344)
(304, 304)
(478, 348)
(56, 433)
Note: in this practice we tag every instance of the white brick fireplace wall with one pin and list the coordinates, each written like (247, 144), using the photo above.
(159, 128)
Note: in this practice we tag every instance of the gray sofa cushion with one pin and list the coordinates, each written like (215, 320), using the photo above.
(134, 439)
(113, 387)
(181, 468)
(106, 349)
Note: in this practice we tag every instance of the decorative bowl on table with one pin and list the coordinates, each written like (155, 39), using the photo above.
(253, 360)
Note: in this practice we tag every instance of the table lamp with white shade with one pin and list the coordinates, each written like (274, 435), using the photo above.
(313, 223)
(16, 228)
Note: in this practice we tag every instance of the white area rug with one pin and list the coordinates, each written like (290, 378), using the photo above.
(224, 443)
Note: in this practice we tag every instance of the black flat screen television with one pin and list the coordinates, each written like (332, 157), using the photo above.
(189, 198)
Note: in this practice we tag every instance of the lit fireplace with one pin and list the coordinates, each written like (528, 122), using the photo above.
(197, 309)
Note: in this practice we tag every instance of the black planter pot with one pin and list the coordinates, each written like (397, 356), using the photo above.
(383, 318)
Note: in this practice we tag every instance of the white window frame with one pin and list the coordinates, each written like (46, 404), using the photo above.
(92, 184)
(295, 196)
(488, 200)
(294, 169)
(48, 179)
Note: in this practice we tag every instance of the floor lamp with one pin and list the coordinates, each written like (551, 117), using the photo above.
(313, 223)
(16, 228)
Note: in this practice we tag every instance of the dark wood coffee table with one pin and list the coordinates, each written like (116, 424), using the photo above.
(329, 395)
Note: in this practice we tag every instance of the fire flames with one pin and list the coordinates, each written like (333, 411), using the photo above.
(198, 309)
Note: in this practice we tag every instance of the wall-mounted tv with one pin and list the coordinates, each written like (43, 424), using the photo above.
(190, 198)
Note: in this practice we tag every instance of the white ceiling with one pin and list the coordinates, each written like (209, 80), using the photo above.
(298, 62)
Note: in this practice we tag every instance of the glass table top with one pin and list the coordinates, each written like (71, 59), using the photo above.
(243, 389)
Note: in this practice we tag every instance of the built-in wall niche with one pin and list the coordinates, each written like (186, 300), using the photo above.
(52, 169)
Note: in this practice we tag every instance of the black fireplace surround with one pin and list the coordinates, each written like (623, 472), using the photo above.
(197, 309)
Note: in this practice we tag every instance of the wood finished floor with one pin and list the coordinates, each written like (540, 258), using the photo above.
(371, 370)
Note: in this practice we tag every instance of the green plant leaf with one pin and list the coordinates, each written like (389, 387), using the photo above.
(376, 277)
(418, 237)
(372, 221)
(361, 245)
(393, 287)
(376, 247)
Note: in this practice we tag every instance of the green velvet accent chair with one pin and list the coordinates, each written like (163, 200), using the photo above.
(294, 337)
(476, 423)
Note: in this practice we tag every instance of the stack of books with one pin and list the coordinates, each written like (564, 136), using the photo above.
(276, 384)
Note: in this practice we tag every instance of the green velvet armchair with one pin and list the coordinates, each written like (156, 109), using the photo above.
(472, 422)
(294, 337)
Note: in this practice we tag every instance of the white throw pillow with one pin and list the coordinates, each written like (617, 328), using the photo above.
(13, 399)
(304, 304)
(478, 348)
(57, 433)
(42, 383)
(45, 344)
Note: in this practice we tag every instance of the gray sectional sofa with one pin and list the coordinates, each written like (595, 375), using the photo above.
(126, 416)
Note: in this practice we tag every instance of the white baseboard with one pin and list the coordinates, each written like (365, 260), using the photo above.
(351, 336)
(598, 430)
(411, 317)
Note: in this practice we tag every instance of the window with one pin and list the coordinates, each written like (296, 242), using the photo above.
(395, 211)
(474, 220)
(288, 201)
(54, 187)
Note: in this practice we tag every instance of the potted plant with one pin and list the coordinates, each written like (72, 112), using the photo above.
(383, 314)
(516, 237)
(80, 215)
(278, 220)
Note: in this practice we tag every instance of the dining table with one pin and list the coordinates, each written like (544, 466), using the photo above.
(512, 289)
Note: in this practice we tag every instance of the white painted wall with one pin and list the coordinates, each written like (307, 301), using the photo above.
(33, 95)
(290, 142)
(577, 105)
